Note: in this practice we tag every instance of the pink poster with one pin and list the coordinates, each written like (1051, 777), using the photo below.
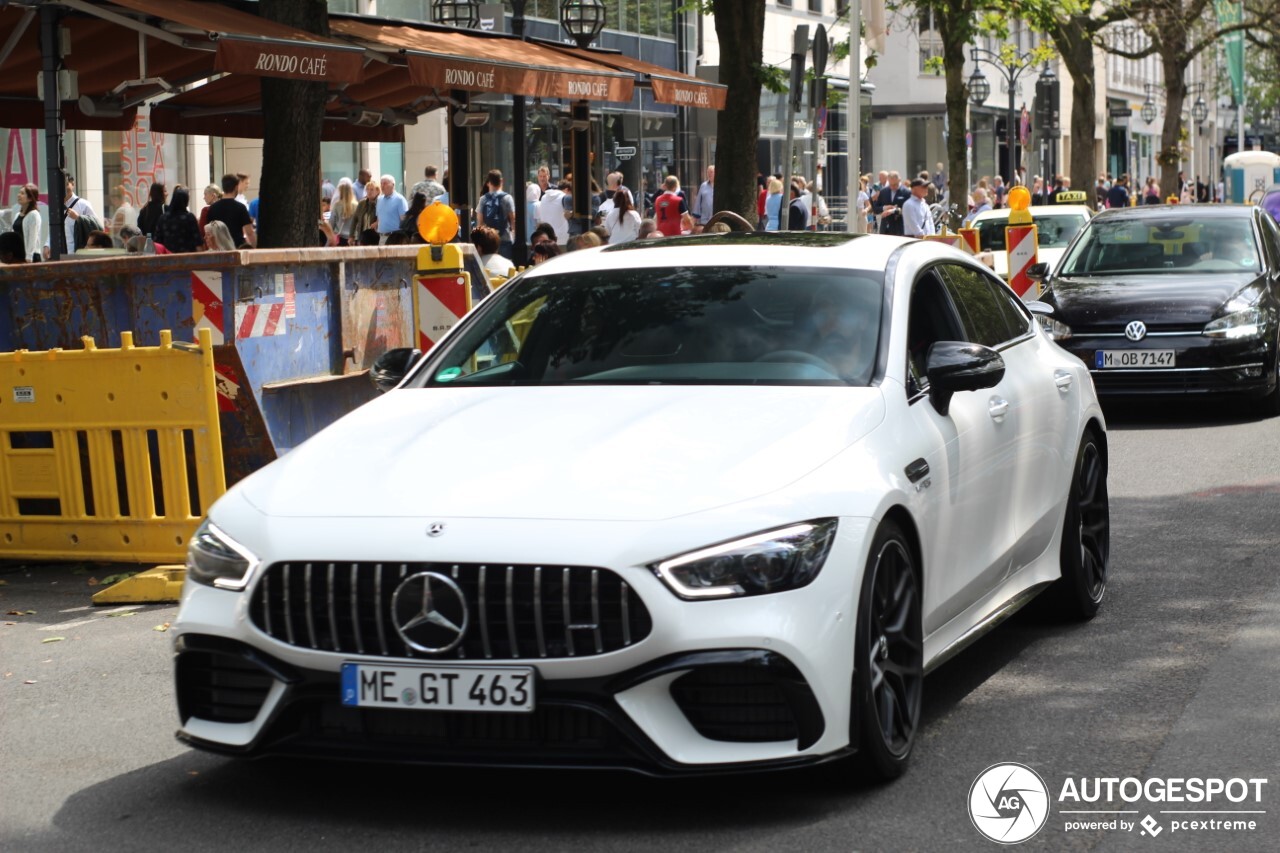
(142, 160)
(23, 164)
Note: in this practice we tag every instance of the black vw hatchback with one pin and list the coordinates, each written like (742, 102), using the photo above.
(1174, 300)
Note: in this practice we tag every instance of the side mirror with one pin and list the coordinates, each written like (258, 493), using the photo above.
(1038, 307)
(1038, 272)
(390, 368)
(953, 366)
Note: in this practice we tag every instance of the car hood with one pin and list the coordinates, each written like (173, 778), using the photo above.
(1171, 299)
(591, 453)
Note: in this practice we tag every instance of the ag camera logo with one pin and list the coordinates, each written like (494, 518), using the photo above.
(1008, 803)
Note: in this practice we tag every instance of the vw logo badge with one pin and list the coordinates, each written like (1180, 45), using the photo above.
(1136, 330)
(436, 529)
(429, 612)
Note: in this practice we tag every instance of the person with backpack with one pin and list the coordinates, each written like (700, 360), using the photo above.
(497, 210)
(80, 221)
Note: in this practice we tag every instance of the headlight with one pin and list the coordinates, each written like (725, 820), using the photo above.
(772, 561)
(1249, 323)
(1056, 330)
(215, 559)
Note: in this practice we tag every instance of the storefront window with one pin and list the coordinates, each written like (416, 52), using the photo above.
(391, 157)
(338, 160)
(136, 159)
(405, 10)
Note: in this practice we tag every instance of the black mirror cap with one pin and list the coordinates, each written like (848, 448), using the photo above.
(390, 368)
(1038, 271)
(953, 366)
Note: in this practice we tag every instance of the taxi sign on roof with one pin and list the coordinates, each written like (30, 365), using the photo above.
(1071, 197)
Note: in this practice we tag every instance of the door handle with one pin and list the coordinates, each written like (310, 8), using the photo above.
(1062, 378)
(997, 407)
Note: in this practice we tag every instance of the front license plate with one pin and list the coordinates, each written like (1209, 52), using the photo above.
(1104, 358)
(438, 688)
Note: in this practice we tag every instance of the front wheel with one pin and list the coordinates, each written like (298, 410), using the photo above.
(1086, 534)
(889, 657)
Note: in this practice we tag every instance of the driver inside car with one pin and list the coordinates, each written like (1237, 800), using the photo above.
(842, 333)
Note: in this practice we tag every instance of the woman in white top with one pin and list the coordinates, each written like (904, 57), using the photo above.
(28, 224)
(623, 222)
(125, 214)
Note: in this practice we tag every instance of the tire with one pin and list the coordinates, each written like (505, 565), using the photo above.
(888, 676)
(1086, 535)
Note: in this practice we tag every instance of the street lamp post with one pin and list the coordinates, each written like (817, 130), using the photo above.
(520, 246)
(464, 14)
(582, 21)
(1011, 70)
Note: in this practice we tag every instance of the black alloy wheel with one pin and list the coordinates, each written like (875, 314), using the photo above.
(889, 657)
(1086, 534)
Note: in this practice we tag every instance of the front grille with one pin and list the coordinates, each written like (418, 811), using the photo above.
(515, 611)
(735, 703)
(548, 726)
(220, 687)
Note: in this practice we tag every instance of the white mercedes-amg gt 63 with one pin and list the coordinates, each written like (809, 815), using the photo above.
(681, 506)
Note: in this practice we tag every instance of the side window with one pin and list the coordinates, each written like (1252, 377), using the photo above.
(985, 315)
(932, 317)
(1017, 313)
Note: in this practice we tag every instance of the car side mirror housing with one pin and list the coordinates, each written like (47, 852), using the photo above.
(1038, 307)
(953, 366)
(390, 368)
(1038, 272)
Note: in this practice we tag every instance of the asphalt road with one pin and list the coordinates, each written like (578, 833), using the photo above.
(1179, 676)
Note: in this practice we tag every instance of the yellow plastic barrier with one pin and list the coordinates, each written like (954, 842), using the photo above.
(108, 454)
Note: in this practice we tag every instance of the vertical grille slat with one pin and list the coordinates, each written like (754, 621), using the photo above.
(311, 615)
(355, 607)
(380, 607)
(566, 581)
(595, 610)
(515, 611)
(537, 611)
(333, 615)
(484, 612)
(288, 608)
(511, 613)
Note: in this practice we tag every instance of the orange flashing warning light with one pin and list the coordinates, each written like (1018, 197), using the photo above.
(1019, 206)
(438, 224)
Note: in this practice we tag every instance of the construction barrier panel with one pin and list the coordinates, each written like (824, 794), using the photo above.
(442, 294)
(1022, 242)
(108, 454)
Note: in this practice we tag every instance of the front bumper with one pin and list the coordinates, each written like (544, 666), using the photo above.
(1203, 365)
(578, 723)
(729, 685)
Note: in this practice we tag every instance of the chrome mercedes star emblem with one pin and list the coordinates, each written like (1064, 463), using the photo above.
(429, 612)
(436, 529)
(1136, 330)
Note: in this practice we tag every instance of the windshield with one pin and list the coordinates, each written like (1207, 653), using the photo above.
(696, 326)
(1129, 246)
(1052, 232)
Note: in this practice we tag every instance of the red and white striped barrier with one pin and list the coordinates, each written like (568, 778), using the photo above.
(443, 300)
(206, 304)
(259, 321)
(1021, 242)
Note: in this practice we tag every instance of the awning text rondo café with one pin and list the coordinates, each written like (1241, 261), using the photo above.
(274, 58)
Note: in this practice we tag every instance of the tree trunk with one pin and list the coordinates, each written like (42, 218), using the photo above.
(954, 42)
(289, 188)
(740, 28)
(1174, 66)
(1076, 49)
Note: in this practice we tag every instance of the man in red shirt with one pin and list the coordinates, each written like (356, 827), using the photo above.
(670, 210)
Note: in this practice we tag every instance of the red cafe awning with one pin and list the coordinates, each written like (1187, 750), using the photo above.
(248, 44)
(232, 106)
(447, 59)
(669, 87)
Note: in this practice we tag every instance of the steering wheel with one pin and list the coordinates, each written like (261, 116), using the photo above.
(791, 356)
